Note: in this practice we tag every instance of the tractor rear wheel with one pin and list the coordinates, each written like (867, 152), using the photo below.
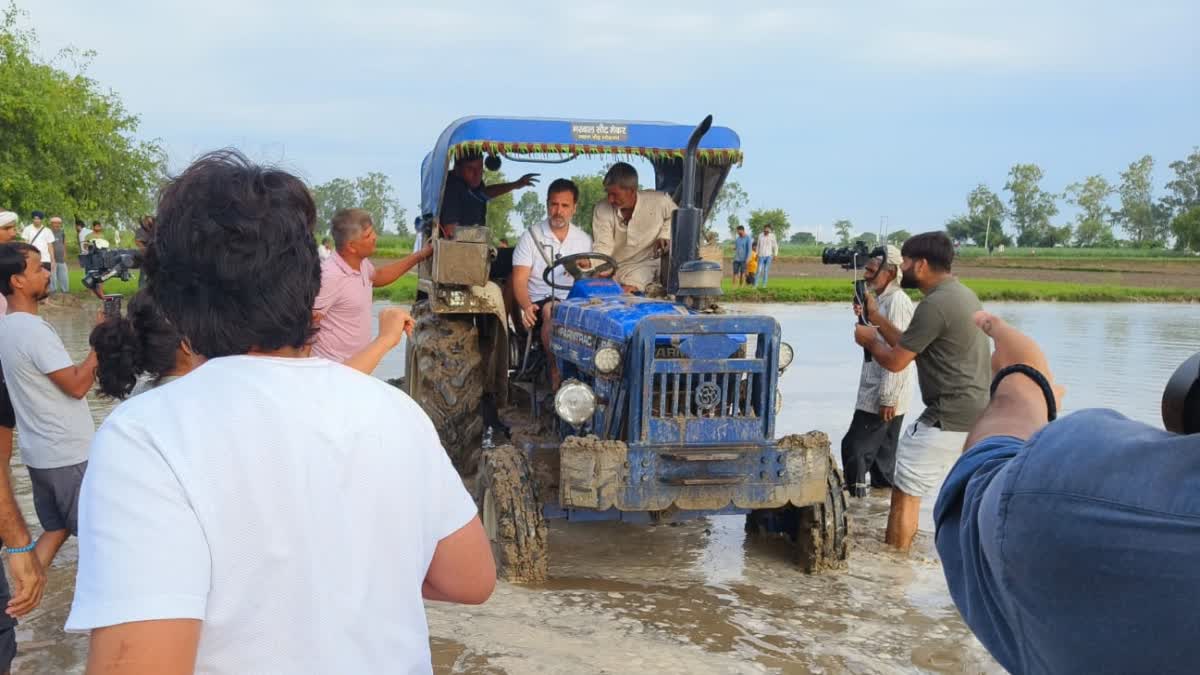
(512, 515)
(446, 380)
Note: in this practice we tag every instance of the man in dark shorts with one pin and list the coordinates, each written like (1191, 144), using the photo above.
(47, 391)
(28, 576)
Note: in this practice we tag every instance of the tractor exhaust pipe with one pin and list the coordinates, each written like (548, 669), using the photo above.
(687, 220)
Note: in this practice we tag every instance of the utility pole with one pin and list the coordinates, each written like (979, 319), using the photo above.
(987, 235)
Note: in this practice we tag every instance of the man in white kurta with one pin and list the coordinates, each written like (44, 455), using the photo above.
(633, 226)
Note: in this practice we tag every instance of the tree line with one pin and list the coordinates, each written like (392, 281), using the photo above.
(1030, 209)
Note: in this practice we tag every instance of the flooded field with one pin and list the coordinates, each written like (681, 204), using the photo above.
(700, 597)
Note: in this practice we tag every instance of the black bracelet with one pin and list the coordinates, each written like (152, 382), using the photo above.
(1033, 374)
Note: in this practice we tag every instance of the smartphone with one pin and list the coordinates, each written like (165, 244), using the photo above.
(112, 306)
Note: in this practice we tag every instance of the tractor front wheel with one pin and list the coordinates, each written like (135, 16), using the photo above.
(512, 515)
(819, 533)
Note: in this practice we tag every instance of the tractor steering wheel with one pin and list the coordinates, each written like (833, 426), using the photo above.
(569, 262)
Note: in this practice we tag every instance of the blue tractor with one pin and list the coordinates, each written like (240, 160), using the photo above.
(668, 406)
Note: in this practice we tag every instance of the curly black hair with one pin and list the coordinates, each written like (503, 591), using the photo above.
(142, 341)
(233, 263)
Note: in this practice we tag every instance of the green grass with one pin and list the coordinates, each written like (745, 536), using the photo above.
(824, 290)
(837, 290)
(972, 252)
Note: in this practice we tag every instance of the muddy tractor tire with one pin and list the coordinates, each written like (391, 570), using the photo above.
(446, 380)
(819, 533)
(512, 515)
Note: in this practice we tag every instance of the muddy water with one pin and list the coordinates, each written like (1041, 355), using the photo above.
(700, 597)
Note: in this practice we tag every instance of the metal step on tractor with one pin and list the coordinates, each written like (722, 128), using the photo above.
(668, 405)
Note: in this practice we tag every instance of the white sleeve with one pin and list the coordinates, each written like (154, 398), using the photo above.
(142, 553)
(523, 253)
(450, 506)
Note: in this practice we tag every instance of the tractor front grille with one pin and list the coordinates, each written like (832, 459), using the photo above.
(702, 395)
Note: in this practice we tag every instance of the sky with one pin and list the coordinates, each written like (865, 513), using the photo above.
(862, 110)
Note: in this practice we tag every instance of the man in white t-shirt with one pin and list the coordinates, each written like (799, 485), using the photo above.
(552, 239)
(269, 512)
(41, 237)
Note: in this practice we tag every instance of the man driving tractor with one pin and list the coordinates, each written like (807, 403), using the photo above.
(539, 247)
(633, 226)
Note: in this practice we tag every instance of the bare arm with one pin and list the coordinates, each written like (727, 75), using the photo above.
(493, 191)
(13, 531)
(462, 569)
(394, 324)
(1019, 407)
(160, 647)
(389, 273)
(520, 282)
(894, 359)
(887, 329)
(76, 381)
(25, 571)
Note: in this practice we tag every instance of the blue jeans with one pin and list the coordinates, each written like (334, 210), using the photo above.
(764, 266)
(59, 278)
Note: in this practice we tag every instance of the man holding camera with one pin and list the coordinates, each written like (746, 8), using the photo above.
(883, 396)
(952, 359)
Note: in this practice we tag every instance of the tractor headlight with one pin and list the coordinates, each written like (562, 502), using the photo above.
(607, 360)
(778, 401)
(785, 356)
(575, 402)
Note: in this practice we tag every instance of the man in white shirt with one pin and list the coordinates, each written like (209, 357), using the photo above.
(269, 512)
(41, 237)
(768, 248)
(633, 226)
(552, 239)
(883, 396)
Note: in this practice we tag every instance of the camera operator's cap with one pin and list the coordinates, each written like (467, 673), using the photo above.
(7, 218)
(892, 257)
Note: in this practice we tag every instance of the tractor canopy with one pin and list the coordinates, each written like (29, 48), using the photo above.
(561, 140)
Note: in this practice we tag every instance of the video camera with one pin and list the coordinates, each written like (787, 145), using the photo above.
(855, 258)
(101, 264)
(851, 257)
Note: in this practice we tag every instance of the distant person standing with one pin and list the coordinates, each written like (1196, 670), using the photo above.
(741, 253)
(97, 235)
(325, 250)
(768, 248)
(40, 237)
(80, 231)
(48, 392)
(59, 277)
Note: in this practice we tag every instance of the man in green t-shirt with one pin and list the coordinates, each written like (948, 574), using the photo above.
(953, 370)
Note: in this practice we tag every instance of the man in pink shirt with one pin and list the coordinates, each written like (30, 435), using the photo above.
(344, 302)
